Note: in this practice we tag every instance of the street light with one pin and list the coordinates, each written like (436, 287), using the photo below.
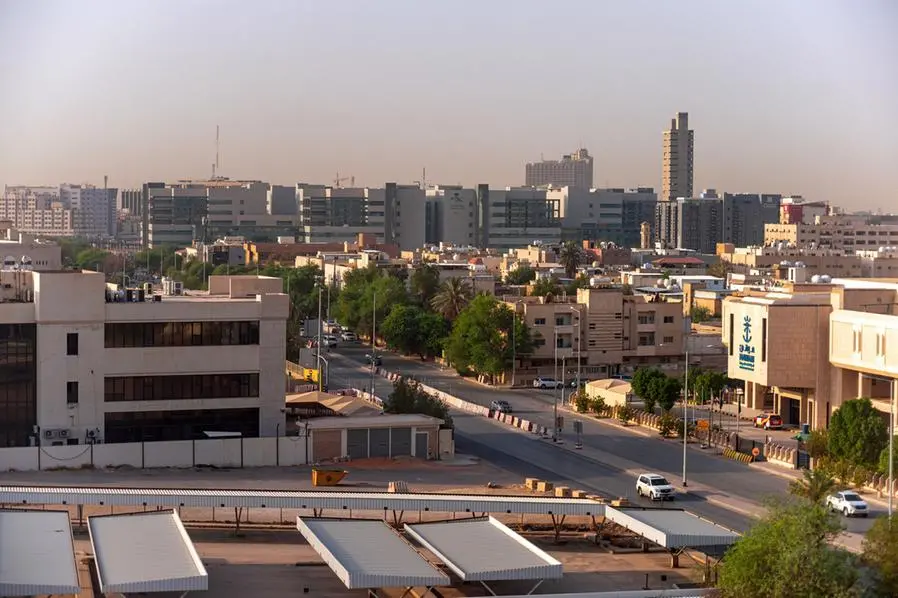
(579, 342)
(514, 344)
(373, 339)
(318, 359)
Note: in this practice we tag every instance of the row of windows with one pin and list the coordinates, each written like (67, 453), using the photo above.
(154, 426)
(18, 383)
(181, 334)
(176, 388)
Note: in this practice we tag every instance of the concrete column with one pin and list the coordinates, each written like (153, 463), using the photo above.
(864, 386)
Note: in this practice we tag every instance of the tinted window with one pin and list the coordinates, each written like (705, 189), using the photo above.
(181, 334)
(660, 482)
(851, 497)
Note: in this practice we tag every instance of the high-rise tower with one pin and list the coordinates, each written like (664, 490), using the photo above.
(677, 159)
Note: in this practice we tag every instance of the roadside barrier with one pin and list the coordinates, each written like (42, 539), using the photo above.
(737, 456)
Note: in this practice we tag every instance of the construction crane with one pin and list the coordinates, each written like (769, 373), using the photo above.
(338, 180)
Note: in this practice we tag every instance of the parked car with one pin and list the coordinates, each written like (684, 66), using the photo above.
(769, 421)
(848, 503)
(500, 406)
(545, 382)
(329, 340)
(349, 336)
(373, 359)
(654, 486)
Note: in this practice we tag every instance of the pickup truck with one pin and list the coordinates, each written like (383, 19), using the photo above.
(848, 503)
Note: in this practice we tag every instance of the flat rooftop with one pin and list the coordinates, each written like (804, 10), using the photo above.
(37, 554)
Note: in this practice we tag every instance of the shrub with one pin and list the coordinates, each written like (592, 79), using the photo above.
(668, 424)
(598, 406)
(582, 402)
(625, 414)
(817, 444)
(842, 470)
(859, 476)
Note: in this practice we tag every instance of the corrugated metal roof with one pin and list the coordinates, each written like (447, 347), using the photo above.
(485, 550)
(366, 553)
(299, 499)
(145, 552)
(37, 555)
(668, 593)
(672, 528)
(374, 421)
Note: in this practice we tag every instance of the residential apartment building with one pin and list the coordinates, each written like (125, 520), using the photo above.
(677, 159)
(516, 217)
(83, 363)
(690, 223)
(795, 210)
(450, 215)
(64, 211)
(573, 170)
(776, 262)
(836, 231)
(618, 333)
(746, 214)
(802, 350)
(394, 214)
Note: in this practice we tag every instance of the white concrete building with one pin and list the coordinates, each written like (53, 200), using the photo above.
(80, 365)
(24, 250)
(451, 215)
(94, 208)
(575, 170)
(516, 217)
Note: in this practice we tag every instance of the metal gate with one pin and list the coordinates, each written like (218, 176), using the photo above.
(804, 459)
(379, 442)
(357, 443)
(400, 442)
(421, 445)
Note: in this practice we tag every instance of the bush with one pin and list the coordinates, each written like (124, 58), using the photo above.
(859, 476)
(817, 444)
(842, 470)
(625, 413)
(597, 405)
(581, 402)
(669, 424)
(884, 457)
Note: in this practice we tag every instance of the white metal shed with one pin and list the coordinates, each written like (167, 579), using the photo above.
(145, 552)
(368, 554)
(37, 554)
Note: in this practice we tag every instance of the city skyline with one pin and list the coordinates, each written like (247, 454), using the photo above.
(794, 99)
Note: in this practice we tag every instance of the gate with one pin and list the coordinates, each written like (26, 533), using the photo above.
(804, 459)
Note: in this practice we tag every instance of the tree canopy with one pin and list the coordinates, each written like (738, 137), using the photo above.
(881, 554)
(452, 297)
(412, 330)
(481, 338)
(409, 397)
(814, 485)
(365, 292)
(520, 275)
(857, 433)
(787, 554)
(545, 286)
(424, 283)
(642, 380)
(571, 256)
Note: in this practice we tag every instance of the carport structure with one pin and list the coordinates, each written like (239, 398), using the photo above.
(674, 529)
(368, 554)
(484, 550)
(138, 553)
(37, 554)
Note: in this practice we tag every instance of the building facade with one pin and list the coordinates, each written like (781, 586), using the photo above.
(677, 157)
(64, 211)
(573, 170)
(746, 214)
(695, 224)
(450, 215)
(516, 217)
(82, 364)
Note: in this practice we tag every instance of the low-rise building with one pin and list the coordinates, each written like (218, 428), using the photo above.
(20, 250)
(82, 362)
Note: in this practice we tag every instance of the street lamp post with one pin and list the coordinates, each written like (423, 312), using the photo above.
(685, 410)
(373, 339)
(579, 344)
(514, 343)
(891, 484)
(318, 359)
(555, 402)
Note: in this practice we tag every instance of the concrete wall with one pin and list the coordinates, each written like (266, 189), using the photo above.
(218, 452)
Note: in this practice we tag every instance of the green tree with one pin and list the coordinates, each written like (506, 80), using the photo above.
(700, 314)
(884, 457)
(787, 554)
(720, 269)
(857, 433)
(409, 397)
(640, 384)
(520, 275)
(708, 384)
(545, 286)
(571, 256)
(365, 292)
(581, 282)
(665, 392)
(453, 296)
(481, 338)
(412, 330)
(881, 554)
(814, 485)
(424, 284)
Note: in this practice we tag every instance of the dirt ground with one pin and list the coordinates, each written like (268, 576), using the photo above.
(269, 564)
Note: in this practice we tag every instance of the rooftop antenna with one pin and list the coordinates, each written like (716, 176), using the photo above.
(216, 167)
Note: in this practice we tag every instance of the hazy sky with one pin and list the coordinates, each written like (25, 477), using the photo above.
(785, 96)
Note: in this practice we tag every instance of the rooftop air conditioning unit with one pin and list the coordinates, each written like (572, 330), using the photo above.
(50, 434)
(63, 433)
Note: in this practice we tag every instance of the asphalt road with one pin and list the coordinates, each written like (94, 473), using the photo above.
(610, 456)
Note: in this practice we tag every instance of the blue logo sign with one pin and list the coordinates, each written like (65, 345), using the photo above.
(746, 350)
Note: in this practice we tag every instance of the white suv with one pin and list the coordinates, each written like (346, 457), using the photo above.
(654, 486)
(546, 382)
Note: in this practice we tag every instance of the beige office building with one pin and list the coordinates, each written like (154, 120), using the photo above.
(804, 349)
(86, 364)
(677, 159)
(837, 231)
(573, 170)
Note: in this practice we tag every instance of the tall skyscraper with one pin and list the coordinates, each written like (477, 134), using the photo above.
(677, 166)
(573, 170)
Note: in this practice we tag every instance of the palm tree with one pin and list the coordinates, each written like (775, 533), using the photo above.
(452, 297)
(814, 485)
(570, 256)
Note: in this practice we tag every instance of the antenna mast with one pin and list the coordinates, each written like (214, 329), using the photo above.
(216, 168)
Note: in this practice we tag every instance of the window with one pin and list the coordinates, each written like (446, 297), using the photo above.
(668, 319)
(71, 393)
(560, 321)
(648, 318)
(71, 343)
(539, 322)
(668, 339)
(181, 334)
(195, 386)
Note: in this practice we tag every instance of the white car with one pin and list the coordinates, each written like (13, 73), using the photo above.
(349, 336)
(546, 382)
(329, 340)
(848, 503)
(654, 486)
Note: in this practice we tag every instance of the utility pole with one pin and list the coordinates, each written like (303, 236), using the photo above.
(685, 411)
(891, 484)
(373, 339)
(555, 402)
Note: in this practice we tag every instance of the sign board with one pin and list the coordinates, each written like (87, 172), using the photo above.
(747, 351)
(702, 424)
